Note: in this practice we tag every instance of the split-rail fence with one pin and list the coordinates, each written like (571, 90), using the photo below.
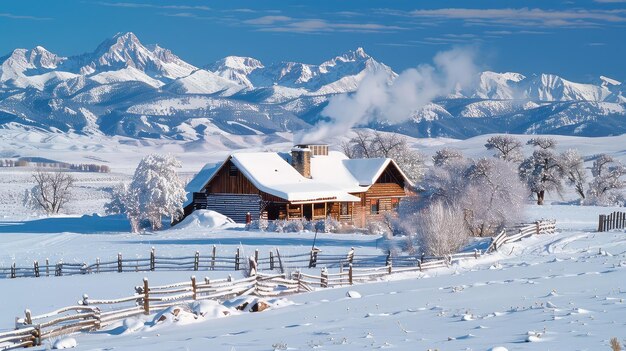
(93, 314)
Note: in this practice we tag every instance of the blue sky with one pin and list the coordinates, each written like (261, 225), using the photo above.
(579, 40)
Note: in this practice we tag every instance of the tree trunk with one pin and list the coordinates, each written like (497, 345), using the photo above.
(540, 195)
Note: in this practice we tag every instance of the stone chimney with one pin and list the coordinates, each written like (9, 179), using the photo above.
(301, 160)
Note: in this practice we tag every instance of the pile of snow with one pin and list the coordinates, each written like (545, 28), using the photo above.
(64, 343)
(205, 219)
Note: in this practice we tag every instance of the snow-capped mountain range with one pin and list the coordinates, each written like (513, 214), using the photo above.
(145, 91)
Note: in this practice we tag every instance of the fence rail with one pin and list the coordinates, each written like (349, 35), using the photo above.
(537, 228)
(615, 220)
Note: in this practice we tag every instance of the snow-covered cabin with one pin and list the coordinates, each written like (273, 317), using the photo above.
(311, 182)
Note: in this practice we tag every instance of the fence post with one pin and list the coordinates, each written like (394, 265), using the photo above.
(59, 269)
(83, 268)
(47, 267)
(299, 277)
(256, 257)
(350, 274)
(193, 287)
(37, 335)
(36, 268)
(13, 270)
(146, 297)
(600, 222)
(28, 319)
(280, 262)
(313, 258)
(476, 254)
(237, 260)
(119, 262)
(389, 267)
(350, 256)
(98, 265)
(271, 260)
(538, 225)
(196, 261)
(213, 258)
(152, 259)
(388, 258)
(324, 278)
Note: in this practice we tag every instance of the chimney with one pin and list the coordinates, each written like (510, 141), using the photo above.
(301, 160)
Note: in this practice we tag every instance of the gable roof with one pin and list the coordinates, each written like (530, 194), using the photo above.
(333, 176)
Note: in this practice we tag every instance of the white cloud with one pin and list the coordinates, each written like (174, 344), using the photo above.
(525, 16)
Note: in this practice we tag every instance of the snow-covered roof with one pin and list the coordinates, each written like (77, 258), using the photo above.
(272, 174)
(200, 180)
(333, 176)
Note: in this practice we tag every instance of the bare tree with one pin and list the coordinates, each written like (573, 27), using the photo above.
(606, 187)
(51, 192)
(573, 166)
(493, 198)
(386, 145)
(542, 171)
(544, 143)
(508, 148)
(446, 155)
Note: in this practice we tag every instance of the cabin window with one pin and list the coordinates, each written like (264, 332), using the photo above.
(374, 206)
(233, 171)
(395, 202)
(343, 208)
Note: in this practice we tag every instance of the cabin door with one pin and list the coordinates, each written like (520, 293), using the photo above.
(307, 211)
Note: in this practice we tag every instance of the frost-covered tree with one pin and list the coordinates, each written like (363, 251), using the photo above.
(155, 191)
(488, 191)
(508, 148)
(606, 187)
(118, 195)
(367, 144)
(574, 169)
(437, 230)
(51, 192)
(446, 155)
(542, 171)
(544, 143)
(493, 197)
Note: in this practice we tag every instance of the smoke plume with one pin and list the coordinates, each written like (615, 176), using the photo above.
(377, 100)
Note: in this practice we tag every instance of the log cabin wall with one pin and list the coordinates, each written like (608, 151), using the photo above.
(229, 180)
(384, 194)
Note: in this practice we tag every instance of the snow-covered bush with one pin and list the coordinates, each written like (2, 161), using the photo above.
(438, 230)
(51, 192)
(508, 148)
(155, 191)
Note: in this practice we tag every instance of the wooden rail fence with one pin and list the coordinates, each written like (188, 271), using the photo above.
(615, 220)
(524, 231)
(273, 261)
(93, 314)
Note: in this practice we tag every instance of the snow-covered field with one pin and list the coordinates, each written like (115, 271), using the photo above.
(555, 292)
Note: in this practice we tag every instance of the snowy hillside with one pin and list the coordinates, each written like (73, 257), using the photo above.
(100, 93)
